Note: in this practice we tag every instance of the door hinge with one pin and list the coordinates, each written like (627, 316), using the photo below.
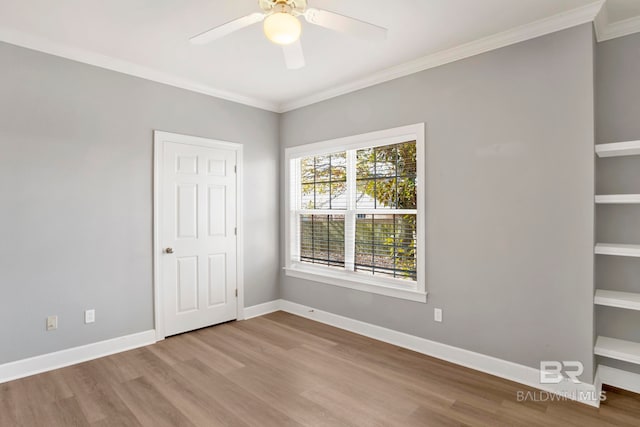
(235, 168)
(235, 231)
(236, 293)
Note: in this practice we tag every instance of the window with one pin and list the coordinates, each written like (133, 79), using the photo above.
(355, 212)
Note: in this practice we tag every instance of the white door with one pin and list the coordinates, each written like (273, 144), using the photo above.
(198, 187)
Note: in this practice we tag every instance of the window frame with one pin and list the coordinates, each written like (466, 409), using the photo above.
(352, 279)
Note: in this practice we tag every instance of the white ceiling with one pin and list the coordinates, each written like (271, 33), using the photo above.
(620, 10)
(151, 37)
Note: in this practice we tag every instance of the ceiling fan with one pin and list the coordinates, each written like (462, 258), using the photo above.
(282, 26)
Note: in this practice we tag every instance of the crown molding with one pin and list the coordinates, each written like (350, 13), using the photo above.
(561, 21)
(80, 55)
(607, 30)
(600, 22)
(591, 12)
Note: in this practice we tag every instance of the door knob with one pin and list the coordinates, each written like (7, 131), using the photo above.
(169, 250)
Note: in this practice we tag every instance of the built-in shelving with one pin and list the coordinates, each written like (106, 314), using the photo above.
(618, 199)
(627, 351)
(614, 348)
(629, 148)
(617, 250)
(628, 300)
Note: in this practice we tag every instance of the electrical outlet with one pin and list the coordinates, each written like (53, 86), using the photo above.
(437, 314)
(89, 316)
(52, 323)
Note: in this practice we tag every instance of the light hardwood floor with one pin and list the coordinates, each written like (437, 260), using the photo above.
(283, 370)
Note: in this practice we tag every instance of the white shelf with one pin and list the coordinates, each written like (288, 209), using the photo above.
(617, 250)
(628, 300)
(619, 378)
(630, 148)
(627, 351)
(619, 199)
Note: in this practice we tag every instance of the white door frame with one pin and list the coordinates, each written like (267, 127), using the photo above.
(159, 139)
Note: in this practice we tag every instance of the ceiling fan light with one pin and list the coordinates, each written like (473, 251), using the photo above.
(282, 28)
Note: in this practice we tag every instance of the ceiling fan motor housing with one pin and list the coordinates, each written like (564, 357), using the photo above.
(294, 7)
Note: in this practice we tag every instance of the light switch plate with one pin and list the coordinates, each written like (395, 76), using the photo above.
(89, 316)
(52, 323)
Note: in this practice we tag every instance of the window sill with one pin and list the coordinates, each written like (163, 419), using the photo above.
(355, 281)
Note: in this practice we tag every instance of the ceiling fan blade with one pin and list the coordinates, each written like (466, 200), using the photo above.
(226, 29)
(294, 56)
(345, 24)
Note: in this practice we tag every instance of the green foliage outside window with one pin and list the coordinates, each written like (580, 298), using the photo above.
(385, 180)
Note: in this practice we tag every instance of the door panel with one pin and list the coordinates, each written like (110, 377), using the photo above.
(216, 210)
(187, 211)
(197, 221)
(217, 167)
(217, 279)
(187, 165)
(187, 284)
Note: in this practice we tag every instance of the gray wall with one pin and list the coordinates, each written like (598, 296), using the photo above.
(510, 185)
(618, 119)
(76, 196)
(509, 195)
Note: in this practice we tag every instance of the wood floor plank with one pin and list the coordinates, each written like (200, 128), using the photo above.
(234, 398)
(347, 406)
(285, 394)
(180, 348)
(7, 413)
(65, 413)
(86, 378)
(118, 368)
(183, 393)
(361, 381)
(334, 369)
(149, 406)
(47, 387)
(104, 407)
(147, 364)
(430, 417)
(210, 356)
(320, 330)
(413, 367)
(283, 370)
(522, 414)
(195, 405)
(464, 412)
(29, 415)
(281, 335)
(239, 345)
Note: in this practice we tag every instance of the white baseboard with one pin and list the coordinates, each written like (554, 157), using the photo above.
(261, 309)
(47, 362)
(585, 393)
(619, 378)
(60, 359)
